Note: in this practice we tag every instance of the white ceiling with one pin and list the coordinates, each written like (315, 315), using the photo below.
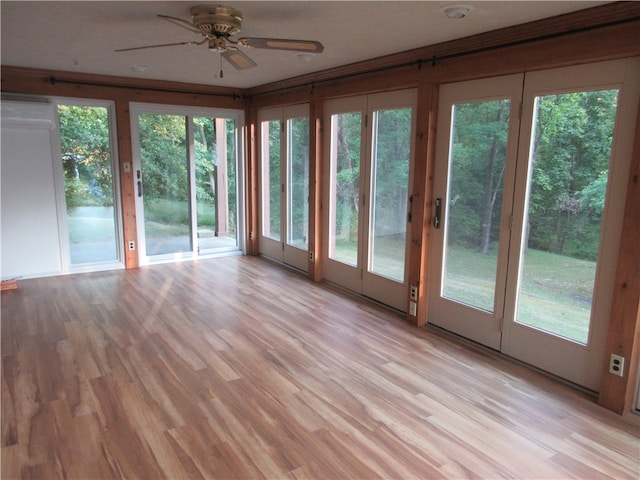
(82, 36)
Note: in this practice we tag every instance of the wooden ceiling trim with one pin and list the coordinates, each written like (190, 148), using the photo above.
(606, 43)
(73, 84)
(618, 13)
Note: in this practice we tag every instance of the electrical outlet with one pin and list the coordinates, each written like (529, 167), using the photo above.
(132, 245)
(311, 256)
(616, 365)
(414, 293)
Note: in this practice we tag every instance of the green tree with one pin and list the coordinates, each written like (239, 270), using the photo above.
(86, 155)
(477, 169)
(571, 154)
(348, 175)
(164, 157)
(392, 154)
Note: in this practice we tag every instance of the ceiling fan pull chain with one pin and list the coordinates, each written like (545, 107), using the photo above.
(221, 72)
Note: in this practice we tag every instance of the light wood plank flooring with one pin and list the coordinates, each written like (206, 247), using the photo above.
(237, 368)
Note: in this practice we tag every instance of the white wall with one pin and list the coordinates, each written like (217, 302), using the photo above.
(29, 229)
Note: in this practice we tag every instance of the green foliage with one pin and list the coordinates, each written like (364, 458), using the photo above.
(205, 158)
(348, 139)
(298, 180)
(390, 171)
(570, 162)
(571, 153)
(392, 137)
(272, 174)
(165, 169)
(479, 144)
(86, 155)
(163, 151)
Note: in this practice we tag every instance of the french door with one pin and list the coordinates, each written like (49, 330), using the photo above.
(529, 183)
(188, 176)
(369, 143)
(284, 153)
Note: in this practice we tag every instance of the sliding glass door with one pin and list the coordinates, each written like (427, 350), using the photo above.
(186, 174)
(91, 196)
(163, 184)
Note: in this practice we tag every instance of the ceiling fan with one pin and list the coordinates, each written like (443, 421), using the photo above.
(217, 24)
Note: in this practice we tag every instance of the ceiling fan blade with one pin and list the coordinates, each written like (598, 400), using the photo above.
(238, 59)
(161, 45)
(184, 24)
(309, 46)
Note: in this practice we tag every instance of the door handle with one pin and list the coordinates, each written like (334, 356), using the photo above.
(139, 175)
(436, 218)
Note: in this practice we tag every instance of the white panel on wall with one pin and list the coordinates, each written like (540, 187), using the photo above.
(28, 209)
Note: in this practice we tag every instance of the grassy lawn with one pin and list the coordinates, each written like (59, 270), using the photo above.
(164, 218)
(556, 294)
(388, 260)
(555, 291)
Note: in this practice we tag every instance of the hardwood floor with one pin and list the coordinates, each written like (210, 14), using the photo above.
(237, 368)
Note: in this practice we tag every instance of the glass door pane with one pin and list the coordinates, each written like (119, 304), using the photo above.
(231, 200)
(298, 182)
(477, 153)
(569, 165)
(215, 183)
(206, 160)
(345, 187)
(165, 179)
(88, 183)
(271, 179)
(391, 147)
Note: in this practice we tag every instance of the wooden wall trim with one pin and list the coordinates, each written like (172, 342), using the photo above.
(315, 190)
(617, 393)
(251, 181)
(127, 184)
(418, 261)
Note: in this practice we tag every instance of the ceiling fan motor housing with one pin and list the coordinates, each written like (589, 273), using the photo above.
(219, 20)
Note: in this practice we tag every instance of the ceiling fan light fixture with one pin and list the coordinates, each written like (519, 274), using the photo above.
(306, 57)
(456, 12)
